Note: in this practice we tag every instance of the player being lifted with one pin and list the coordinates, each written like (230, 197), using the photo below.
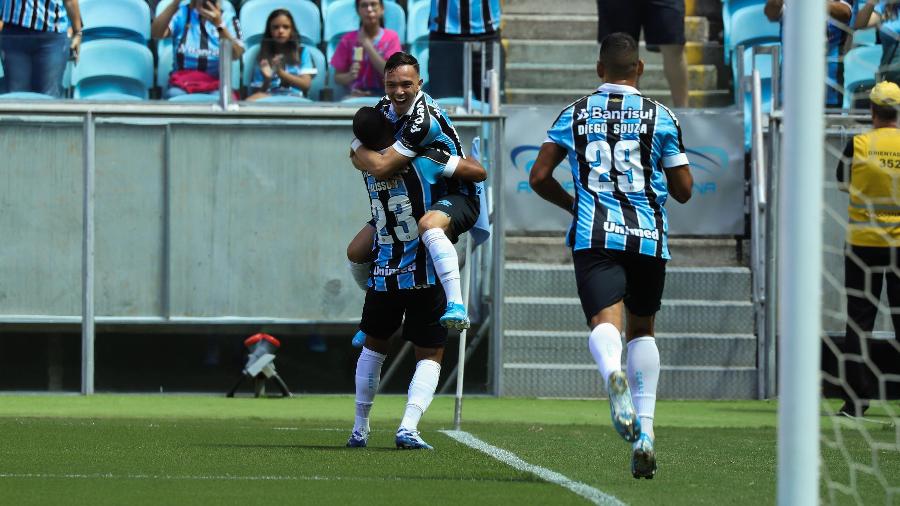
(618, 144)
(419, 124)
(402, 277)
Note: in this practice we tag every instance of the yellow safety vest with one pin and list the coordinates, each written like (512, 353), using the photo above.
(874, 211)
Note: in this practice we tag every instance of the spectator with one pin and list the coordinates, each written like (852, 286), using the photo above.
(451, 24)
(196, 29)
(886, 16)
(359, 58)
(663, 24)
(283, 66)
(35, 43)
(839, 14)
(872, 254)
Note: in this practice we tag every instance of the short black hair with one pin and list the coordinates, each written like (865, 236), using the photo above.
(884, 112)
(373, 129)
(619, 55)
(399, 59)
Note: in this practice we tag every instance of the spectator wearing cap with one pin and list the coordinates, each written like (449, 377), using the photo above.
(38, 37)
(873, 240)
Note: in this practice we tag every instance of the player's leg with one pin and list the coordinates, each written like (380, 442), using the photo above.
(422, 327)
(663, 22)
(360, 254)
(601, 287)
(439, 228)
(863, 289)
(381, 317)
(646, 277)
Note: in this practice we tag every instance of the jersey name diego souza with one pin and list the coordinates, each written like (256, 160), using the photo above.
(617, 115)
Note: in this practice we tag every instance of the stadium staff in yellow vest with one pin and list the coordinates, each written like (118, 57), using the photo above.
(873, 240)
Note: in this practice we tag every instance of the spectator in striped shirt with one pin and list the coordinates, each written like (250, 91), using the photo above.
(451, 24)
(197, 29)
(36, 43)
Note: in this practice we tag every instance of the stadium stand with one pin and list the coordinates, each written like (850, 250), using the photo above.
(340, 17)
(750, 27)
(729, 7)
(226, 6)
(111, 69)
(417, 24)
(115, 19)
(860, 65)
(306, 15)
(248, 61)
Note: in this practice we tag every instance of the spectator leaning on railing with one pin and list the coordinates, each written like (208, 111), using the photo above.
(36, 45)
(359, 58)
(196, 30)
(886, 16)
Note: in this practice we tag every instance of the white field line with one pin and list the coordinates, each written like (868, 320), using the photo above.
(225, 477)
(511, 459)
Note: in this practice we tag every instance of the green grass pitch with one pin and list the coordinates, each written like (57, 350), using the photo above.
(204, 450)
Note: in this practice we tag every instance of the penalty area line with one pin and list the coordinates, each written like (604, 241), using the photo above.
(511, 459)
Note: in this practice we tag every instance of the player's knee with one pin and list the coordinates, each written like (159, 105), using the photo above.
(432, 220)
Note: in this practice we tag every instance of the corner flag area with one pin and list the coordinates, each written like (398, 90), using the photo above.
(197, 449)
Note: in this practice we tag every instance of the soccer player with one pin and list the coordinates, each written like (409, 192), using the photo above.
(420, 124)
(618, 144)
(403, 285)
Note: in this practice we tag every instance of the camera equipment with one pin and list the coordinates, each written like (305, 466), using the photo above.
(261, 365)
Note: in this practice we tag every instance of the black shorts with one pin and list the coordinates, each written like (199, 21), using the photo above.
(383, 313)
(463, 211)
(662, 20)
(605, 277)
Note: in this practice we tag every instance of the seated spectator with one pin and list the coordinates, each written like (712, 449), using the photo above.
(196, 30)
(359, 58)
(36, 45)
(886, 16)
(283, 66)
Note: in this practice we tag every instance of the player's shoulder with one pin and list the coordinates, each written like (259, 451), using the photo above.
(661, 110)
(575, 111)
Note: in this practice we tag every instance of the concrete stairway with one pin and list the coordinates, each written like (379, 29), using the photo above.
(705, 327)
(552, 51)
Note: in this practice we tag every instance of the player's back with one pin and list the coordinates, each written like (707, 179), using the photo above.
(618, 144)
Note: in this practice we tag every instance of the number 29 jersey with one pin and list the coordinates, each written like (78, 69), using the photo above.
(618, 144)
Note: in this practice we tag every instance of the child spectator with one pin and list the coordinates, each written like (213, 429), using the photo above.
(359, 58)
(197, 29)
(283, 66)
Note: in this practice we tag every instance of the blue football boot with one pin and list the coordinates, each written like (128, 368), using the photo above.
(643, 458)
(358, 439)
(411, 440)
(455, 317)
(621, 409)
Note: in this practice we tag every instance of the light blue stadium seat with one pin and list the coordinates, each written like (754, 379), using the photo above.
(320, 79)
(305, 13)
(750, 27)
(417, 25)
(341, 17)
(284, 99)
(728, 9)
(164, 62)
(25, 95)
(196, 98)
(361, 101)
(451, 103)
(860, 65)
(420, 52)
(865, 37)
(226, 6)
(115, 19)
(113, 66)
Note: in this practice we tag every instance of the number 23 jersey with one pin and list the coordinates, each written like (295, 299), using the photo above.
(618, 144)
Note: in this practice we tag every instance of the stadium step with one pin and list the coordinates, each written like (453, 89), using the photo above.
(585, 51)
(696, 98)
(675, 316)
(553, 26)
(681, 350)
(583, 381)
(682, 283)
(583, 76)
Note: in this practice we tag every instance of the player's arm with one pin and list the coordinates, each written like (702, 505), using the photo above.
(463, 169)
(680, 182)
(541, 178)
(380, 165)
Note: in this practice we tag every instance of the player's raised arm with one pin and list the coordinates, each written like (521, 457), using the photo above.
(541, 178)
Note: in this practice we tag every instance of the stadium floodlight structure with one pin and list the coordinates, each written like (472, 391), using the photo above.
(800, 284)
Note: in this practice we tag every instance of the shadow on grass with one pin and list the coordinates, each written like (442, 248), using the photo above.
(293, 447)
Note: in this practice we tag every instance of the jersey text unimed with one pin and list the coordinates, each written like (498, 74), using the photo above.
(614, 228)
(388, 271)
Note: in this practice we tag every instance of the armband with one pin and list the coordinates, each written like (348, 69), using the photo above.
(450, 167)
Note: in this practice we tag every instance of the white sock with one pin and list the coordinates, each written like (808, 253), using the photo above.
(360, 273)
(446, 262)
(643, 376)
(421, 392)
(606, 347)
(368, 374)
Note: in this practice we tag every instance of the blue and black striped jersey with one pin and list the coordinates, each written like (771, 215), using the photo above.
(38, 15)
(464, 17)
(618, 144)
(426, 126)
(401, 260)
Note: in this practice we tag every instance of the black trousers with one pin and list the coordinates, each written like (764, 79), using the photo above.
(865, 271)
(445, 64)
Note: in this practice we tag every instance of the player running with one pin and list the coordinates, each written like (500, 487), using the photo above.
(402, 284)
(618, 144)
(420, 124)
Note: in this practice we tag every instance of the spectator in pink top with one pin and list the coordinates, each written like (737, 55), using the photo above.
(359, 58)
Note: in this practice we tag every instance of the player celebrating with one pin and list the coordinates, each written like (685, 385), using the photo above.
(618, 144)
(402, 282)
(421, 125)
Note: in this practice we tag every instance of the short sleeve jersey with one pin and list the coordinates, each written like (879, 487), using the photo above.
(303, 68)
(196, 40)
(369, 79)
(425, 125)
(464, 17)
(618, 144)
(38, 15)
